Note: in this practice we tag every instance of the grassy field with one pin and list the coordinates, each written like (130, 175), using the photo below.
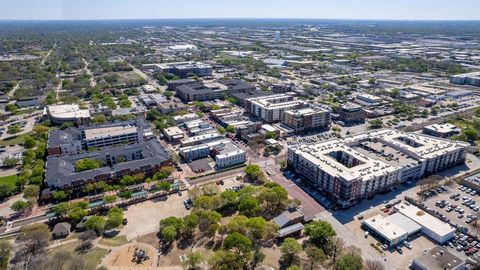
(91, 257)
(114, 241)
(9, 180)
(12, 140)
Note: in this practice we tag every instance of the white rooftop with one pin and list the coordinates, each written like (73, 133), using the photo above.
(68, 111)
(385, 227)
(424, 219)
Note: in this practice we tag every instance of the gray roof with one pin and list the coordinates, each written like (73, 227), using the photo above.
(60, 171)
(62, 226)
(290, 229)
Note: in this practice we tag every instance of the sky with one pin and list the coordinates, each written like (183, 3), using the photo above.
(317, 9)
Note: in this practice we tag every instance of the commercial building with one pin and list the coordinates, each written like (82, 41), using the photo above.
(437, 258)
(388, 231)
(59, 114)
(227, 154)
(472, 79)
(179, 119)
(194, 152)
(270, 108)
(145, 157)
(173, 134)
(72, 141)
(432, 227)
(307, 119)
(441, 130)
(359, 166)
(182, 69)
(350, 113)
(199, 139)
(472, 182)
(367, 99)
(188, 91)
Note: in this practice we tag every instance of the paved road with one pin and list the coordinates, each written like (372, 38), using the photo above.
(150, 80)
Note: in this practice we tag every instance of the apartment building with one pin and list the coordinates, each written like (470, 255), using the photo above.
(74, 140)
(350, 113)
(270, 108)
(307, 119)
(360, 166)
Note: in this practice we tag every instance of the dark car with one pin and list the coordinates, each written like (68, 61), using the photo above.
(124, 221)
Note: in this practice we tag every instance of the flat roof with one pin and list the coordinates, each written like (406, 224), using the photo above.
(438, 258)
(97, 133)
(389, 230)
(424, 219)
(405, 223)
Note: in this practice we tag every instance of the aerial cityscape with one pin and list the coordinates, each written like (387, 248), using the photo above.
(266, 135)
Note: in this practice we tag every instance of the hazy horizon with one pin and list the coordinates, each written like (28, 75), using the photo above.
(397, 10)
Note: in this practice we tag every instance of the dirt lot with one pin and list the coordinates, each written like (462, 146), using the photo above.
(144, 218)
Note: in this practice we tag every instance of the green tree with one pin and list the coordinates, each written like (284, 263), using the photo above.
(35, 238)
(315, 256)
(14, 129)
(95, 223)
(164, 186)
(11, 108)
(59, 195)
(226, 260)
(19, 206)
(127, 180)
(349, 261)
(375, 123)
(193, 259)
(270, 135)
(230, 129)
(238, 242)
(77, 214)
(5, 250)
(86, 164)
(221, 130)
(114, 217)
(110, 199)
(29, 142)
(290, 250)
(248, 206)
(319, 232)
(168, 234)
(31, 192)
(5, 190)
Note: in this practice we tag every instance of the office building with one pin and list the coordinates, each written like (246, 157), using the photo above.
(359, 166)
(270, 108)
(194, 152)
(227, 154)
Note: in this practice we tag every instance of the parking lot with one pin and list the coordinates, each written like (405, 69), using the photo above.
(457, 205)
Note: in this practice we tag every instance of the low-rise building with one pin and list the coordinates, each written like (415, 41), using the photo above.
(367, 99)
(173, 134)
(194, 152)
(441, 130)
(199, 139)
(437, 258)
(146, 157)
(59, 114)
(227, 154)
(472, 79)
(386, 230)
(182, 69)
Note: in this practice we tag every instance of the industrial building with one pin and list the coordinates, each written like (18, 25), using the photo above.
(270, 108)
(356, 167)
